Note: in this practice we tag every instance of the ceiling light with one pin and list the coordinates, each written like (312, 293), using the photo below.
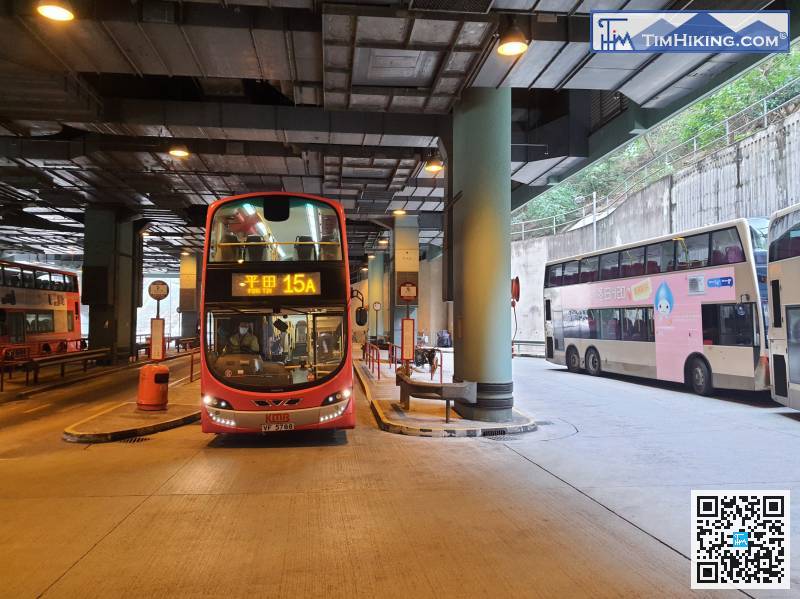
(179, 151)
(383, 241)
(184, 253)
(398, 212)
(512, 42)
(370, 256)
(145, 234)
(434, 165)
(55, 10)
(364, 269)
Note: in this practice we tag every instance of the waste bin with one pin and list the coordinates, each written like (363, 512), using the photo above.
(153, 387)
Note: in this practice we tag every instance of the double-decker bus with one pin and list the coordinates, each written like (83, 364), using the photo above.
(39, 311)
(276, 315)
(784, 301)
(687, 307)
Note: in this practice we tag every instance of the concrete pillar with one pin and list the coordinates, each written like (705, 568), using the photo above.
(189, 305)
(481, 242)
(406, 269)
(375, 285)
(112, 278)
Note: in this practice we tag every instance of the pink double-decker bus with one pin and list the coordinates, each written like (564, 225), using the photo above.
(689, 308)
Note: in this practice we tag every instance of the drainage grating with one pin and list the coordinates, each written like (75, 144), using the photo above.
(134, 440)
(495, 434)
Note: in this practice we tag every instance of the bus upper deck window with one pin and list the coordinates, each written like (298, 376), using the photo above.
(691, 252)
(726, 247)
(28, 280)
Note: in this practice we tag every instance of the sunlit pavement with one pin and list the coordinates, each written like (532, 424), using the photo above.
(595, 503)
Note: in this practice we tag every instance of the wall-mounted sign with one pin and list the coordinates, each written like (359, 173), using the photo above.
(158, 290)
(408, 292)
(282, 284)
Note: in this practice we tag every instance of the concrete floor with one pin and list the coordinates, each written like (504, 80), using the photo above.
(593, 504)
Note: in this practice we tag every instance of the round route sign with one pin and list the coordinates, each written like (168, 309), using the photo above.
(376, 306)
(158, 290)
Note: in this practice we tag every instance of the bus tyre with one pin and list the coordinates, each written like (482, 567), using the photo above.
(700, 377)
(593, 362)
(573, 360)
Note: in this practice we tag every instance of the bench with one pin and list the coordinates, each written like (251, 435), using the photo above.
(465, 392)
(39, 362)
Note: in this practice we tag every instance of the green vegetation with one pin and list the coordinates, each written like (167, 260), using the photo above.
(690, 134)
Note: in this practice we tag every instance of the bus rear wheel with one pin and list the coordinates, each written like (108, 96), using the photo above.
(573, 360)
(700, 377)
(593, 362)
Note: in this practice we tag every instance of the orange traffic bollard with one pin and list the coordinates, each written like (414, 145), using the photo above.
(153, 387)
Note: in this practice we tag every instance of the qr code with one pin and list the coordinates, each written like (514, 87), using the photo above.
(740, 539)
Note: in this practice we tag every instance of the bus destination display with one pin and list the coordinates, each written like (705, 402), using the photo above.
(281, 284)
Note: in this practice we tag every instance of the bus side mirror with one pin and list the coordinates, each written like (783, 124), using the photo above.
(361, 316)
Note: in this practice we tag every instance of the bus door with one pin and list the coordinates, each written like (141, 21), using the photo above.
(15, 326)
(792, 361)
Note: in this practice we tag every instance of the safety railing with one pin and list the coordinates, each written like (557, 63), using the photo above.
(192, 353)
(713, 137)
(373, 357)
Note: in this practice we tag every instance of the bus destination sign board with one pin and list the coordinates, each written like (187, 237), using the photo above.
(275, 284)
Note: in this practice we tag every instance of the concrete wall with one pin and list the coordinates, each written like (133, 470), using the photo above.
(754, 177)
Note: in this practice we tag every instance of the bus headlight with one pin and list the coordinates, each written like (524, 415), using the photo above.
(337, 397)
(213, 402)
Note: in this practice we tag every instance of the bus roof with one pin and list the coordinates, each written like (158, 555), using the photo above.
(37, 267)
(616, 248)
(785, 211)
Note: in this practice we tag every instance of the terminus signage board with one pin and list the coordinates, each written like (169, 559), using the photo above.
(622, 31)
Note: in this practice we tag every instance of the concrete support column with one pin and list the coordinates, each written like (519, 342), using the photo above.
(375, 287)
(481, 242)
(406, 270)
(189, 305)
(112, 278)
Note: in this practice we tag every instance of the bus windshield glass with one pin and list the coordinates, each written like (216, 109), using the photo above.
(275, 229)
(259, 350)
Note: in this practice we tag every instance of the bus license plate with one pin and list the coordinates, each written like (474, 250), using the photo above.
(281, 426)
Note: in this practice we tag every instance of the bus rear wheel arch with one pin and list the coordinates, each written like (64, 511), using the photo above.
(698, 375)
(592, 362)
(573, 359)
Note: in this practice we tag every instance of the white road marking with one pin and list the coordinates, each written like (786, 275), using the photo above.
(37, 408)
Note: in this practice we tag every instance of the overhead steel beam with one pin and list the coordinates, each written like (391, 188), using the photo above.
(57, 148)
(310, 120)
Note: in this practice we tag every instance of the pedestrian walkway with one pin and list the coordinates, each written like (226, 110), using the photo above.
(426, 417)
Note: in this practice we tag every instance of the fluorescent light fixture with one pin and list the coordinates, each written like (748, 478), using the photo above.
(434, 165)
(311, 213)
(398, 212)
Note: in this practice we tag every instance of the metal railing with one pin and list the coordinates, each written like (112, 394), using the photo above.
(728, 131)
(373, 358)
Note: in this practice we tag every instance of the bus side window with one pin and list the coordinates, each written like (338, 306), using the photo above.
(3, 325)
(777, 311)
(547, 314)
(28, 279)
(70, 321)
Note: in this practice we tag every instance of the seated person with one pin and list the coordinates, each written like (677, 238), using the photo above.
(243, 342)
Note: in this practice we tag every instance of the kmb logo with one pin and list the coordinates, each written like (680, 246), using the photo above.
(278, 417)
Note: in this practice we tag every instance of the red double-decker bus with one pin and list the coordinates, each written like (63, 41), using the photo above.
(276, 315)
(39, 311)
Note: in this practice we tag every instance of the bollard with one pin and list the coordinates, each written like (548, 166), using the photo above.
(153, 387)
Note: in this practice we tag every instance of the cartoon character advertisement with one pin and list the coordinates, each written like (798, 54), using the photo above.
(676, 299)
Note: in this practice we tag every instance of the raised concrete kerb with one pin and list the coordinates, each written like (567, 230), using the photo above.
(123, 421)
(523, 424)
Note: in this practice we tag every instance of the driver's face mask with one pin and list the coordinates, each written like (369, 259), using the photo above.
(242, 330)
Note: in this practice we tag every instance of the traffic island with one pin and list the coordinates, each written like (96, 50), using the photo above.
(426, 418)
(126, 420)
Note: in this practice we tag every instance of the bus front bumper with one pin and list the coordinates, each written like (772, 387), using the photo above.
(337, 415)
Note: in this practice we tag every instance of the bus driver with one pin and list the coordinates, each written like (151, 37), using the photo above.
(244, 341)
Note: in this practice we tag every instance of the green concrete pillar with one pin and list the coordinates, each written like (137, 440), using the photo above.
(112, 278)
(481, 244)
(405, 270)
(189, 304)
(375, 294)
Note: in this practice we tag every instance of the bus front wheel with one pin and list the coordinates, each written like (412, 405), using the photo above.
(700, 377)
(573, 360)
(593, 362)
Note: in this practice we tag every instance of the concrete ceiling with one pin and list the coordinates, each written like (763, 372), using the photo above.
(342, 99)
